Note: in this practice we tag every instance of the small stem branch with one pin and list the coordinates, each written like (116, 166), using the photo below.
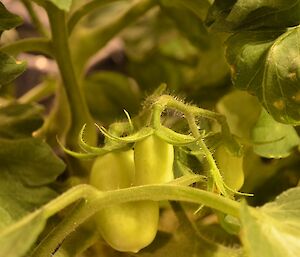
(183, 219)
(39, 92)
(79, 111)
(41, 45)
(49, 243)
(35, 19)
(86, 235)
(156, 114)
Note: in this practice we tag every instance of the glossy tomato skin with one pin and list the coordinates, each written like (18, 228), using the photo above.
(126, 227)
(231, 167)
(153, 160)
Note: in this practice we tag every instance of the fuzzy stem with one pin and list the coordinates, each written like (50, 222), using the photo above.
(218, 180)
(190, 112)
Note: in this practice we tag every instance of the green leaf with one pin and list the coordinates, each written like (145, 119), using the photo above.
(198, 7)
(16, 239)
(241, 111)
(97, 37)
(27, 167)
(10, 69)
(274, 229)
(273, 139)
(109, 93)
(235, 15)
(62, 4)
(7, 19)
(265, 63)
(185, 243)
(189, 24)
(20, 120)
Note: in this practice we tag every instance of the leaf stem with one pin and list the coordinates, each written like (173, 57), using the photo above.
(41, 45)
(39, 92)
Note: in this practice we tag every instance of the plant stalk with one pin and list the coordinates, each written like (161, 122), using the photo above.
(79, 111)
(95, 200)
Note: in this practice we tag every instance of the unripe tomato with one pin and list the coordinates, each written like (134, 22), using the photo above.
(113, 170)
(126, 227)
(153, 160)
(231, 167)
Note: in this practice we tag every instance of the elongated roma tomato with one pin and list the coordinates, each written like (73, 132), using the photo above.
(126, 227)
(231, 167)
(153, 160)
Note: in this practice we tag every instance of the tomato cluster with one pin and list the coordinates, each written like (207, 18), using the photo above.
(132, 226)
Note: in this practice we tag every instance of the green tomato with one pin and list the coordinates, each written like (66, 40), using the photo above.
(113, 171)
(153, 160)
(126, 227)
(129, 227)
(231, 167)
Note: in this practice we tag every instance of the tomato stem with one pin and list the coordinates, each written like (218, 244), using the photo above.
(94, 200)
(215, 172)
(190, 112)
(60, 46)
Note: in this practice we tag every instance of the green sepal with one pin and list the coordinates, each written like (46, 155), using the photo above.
(137, 136)
(77, 154)
(236, 192)
(94, 149)
(97, 151)
(174, 138)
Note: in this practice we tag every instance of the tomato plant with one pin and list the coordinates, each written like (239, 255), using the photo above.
(149, 128)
